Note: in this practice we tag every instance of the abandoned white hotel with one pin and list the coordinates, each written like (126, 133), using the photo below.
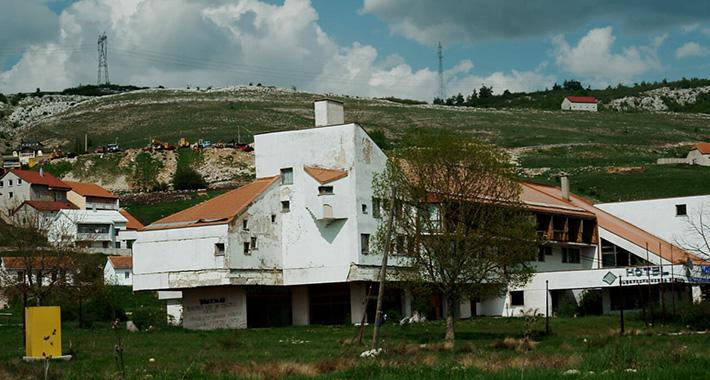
(293, 247)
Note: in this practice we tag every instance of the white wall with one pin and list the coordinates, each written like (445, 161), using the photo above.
(223, 307)
(114, 276)
(567, 105)
(20, 192)
(658, 216)
(696, 158)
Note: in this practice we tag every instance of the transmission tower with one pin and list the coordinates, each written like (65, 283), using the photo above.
(442, 92)
(103, 59)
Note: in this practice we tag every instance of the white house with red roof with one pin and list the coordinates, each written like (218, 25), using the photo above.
(294, 246)
(18, 186)
(580, 103)
(699, 154)
(118, 270)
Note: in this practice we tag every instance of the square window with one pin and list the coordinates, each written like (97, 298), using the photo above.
(287, 176)
(254, 247)
(364, 208)
(219, 249)
(681, 210)
(325, 190)
(285, 206)
(365, 244)
(517, 298)
(246, 248)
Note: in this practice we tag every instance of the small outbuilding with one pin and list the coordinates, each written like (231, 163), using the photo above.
(699, 154)
(580, 103)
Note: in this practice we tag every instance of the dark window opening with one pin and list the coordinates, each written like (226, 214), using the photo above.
(219, 249)
(571, 255)
(365, 244)
(325, 190)
(681, 210)
(245, 225)
(517, 298)
(246, 248)
(285, 206)
(287, 176)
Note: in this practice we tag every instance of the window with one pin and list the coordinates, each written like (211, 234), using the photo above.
(364, 208)
(126, 274)
(273, 218)
(246, 248)
(570, 255)
(1, 185)
(20, 276)
(254, 247)
(285, 206)
(93, 228)
(325, 190)
(245, 225)
(219, 249)
(129, 244)
(287, 176)
(9, 182)
(681, 210)
(376, 211)
(118, 245)
(517, 298)
(544, 250)
(9, 194)
(19, 182)
(365, 244)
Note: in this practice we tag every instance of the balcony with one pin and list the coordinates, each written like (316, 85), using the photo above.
(93, 237)
(326, 207)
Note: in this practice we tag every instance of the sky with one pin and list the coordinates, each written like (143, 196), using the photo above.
(357, 47)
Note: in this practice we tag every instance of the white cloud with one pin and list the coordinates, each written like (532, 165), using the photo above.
(690, 49)
(594, 61)
(226, 42)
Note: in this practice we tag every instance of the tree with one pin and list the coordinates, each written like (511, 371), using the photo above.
(187, 178)
(485, 92)
(699, 228)
(572, 85)
(460, 219)
(460, 100)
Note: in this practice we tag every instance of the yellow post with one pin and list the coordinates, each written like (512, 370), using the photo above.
(43, 332)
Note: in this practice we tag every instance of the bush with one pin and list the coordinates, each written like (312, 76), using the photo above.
(145, 318)
(696, 315)
(590, 303)
(188, 179)
(567, 306)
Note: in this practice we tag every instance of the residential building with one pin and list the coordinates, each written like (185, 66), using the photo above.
(17, 186)
(295, 245)
(89, 196)
(699, 154)
(580, 103)
(48, 271)
(128, 236)
(118, 270)
(28, 151)
(95, 230)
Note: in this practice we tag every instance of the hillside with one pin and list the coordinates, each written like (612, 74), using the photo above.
(610, 155)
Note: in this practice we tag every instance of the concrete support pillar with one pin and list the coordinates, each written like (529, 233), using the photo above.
(218, 307)
(358, 294)
(606, 301)
(407, 303)
(697, 294)
(300, 306)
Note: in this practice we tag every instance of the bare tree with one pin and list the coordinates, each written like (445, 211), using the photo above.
(699, 228)
(459, 218)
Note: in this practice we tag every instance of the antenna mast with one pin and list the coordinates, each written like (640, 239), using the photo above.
(442, 92)
(103, 59)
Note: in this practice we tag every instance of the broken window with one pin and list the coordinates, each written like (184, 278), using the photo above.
(219, 249)
(254, 247)
(285, 206)
(570, 255)
(517, 298)
(245, 225)
(325, 190)
(681, 210)
(365, 244)
(364, 208)
(287, 176)
(273, 218)
(246, 248)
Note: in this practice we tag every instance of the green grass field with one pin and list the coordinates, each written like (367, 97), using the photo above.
(150, 212)
(588, 345)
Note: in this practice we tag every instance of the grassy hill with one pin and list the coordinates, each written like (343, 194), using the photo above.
(610, 155)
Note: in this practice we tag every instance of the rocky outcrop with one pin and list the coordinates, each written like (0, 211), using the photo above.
(657, 100)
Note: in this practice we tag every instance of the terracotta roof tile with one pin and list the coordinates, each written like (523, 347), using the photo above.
(219, 210)
(36, 178)
(133, 223)
(582, 99)
(48, 262)
(49, 205)
(121, 262)
(90, 190)
(325, 175)
(703, 148)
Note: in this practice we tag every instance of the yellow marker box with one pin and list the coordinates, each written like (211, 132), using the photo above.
(43, 331)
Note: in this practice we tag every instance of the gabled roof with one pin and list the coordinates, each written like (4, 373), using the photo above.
(703, 148)
(121, 262)
(37, 178)
(90, 190)
(219, 210)
(625, 230)
(325, 175)
(582, 99)
(49, 205)
(47, 262)
(133, 223)
(537, 200)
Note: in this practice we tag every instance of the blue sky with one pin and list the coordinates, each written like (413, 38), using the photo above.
(360, 47)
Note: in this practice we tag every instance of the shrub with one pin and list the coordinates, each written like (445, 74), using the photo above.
(590, 303)
(188, 179)
(145, 318)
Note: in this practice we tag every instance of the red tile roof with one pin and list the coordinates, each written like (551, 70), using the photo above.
(36, 178)
(325, 175)
(90, 190)
(219, 210)
(47, 262)
(121, 262)
(540, 201)
(49, 205)
(133, 223)
(703, 148)
(582, 99)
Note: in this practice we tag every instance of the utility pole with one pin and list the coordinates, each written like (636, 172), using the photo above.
(383, 269)
(102, 77)
(442, 91)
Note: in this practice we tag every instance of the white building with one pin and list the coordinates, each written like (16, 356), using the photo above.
(93, 229)
(580, 103)
(293, 247)
(699, 155)
(118, 270)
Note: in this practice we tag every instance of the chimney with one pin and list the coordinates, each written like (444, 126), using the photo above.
(328, 112)
(564, 186)
(41, 172)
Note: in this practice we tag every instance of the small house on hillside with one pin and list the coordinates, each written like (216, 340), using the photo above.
(699, 154)
(580, 103)
(118, 271)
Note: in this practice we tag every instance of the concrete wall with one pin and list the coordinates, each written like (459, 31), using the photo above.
(209, 308)
(20, 192)
(658, 216)
(696, 158)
